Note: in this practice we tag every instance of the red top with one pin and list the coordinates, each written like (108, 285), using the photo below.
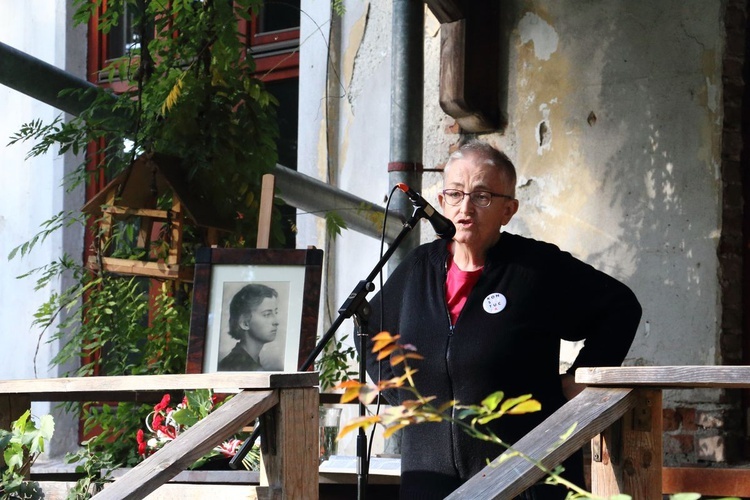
(458, 285)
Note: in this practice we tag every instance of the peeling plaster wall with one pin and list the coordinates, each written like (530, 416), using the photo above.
(615, 128)
(614, 124)
(343, 139)
(32, 194)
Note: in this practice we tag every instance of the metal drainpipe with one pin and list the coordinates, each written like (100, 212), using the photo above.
(407, 80)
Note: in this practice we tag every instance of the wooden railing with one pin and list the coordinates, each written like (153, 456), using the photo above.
(620, 414)
(287, 404)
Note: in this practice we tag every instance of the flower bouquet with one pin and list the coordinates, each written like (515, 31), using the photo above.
(165, 423)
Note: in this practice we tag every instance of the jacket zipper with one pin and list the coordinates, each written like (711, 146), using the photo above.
(451, 326)
(451, 331)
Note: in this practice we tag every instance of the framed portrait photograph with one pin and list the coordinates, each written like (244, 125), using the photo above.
(253, 309)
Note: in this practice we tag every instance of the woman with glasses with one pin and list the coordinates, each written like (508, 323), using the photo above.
(487, 311)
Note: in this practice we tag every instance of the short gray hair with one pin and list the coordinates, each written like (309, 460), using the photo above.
(487, 155)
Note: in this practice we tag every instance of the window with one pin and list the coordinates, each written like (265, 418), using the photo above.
(272, 38)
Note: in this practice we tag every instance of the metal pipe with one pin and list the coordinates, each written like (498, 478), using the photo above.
(316, 197)
(43, 81)
(407, 109)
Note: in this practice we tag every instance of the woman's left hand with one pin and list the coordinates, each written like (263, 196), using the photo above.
(569, 386)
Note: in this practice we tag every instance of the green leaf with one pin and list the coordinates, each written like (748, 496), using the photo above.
(570, 430)
(185, 417)
(334, 224)
(491, 401)
(47, 426)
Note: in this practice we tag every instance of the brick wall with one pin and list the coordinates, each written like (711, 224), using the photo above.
(705, 435)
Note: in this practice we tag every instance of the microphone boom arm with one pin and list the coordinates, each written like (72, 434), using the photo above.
(355, 305)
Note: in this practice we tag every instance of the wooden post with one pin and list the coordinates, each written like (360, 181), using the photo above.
(175, 238)
(627, 457)
(290, 446)
(266, 208)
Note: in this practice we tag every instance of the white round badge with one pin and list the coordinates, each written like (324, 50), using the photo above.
(494, 303)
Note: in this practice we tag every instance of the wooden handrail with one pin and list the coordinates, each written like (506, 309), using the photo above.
(593, 410)
(287, 403)
(667, 377)
(626, 457)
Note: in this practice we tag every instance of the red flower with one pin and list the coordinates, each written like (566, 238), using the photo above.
(163, 404)
(141, 442)
(158, 422)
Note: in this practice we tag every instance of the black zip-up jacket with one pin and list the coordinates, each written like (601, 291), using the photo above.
(545, 295)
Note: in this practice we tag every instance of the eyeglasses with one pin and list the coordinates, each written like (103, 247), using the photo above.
(480, 199)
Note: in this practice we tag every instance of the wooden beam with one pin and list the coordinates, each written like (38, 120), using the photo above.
(171, 491)
(142, 268)
(707, 480)
(80, 388)
(190, 445)
(175, 238)
(737, 377)
(627, 458)
(266, 209)
(473, 71)
(137, 212)
(592, 411)
(446, 11)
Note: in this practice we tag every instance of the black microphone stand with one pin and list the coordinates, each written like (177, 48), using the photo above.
(355, 305)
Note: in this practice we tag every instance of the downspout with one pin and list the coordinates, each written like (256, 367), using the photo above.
(43, 81)
(407, 99)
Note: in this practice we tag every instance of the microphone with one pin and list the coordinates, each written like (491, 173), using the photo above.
(443, 227)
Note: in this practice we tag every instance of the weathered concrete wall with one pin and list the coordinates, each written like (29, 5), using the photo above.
(32, 194)
(615, 112)
(625, 174)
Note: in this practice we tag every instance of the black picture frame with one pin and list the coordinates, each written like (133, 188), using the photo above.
(221, 272)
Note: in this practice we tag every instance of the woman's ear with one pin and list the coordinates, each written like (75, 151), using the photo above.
(509, 210)
(244, 321)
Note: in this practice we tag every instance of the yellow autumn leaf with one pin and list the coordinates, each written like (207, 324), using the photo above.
(392, 429)
(363, 422)
(346, 384)
(172, 97)
(381, 340)
(384, 335)
(529, 406)
(349, 395)
(510, 402)
(385, 352)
